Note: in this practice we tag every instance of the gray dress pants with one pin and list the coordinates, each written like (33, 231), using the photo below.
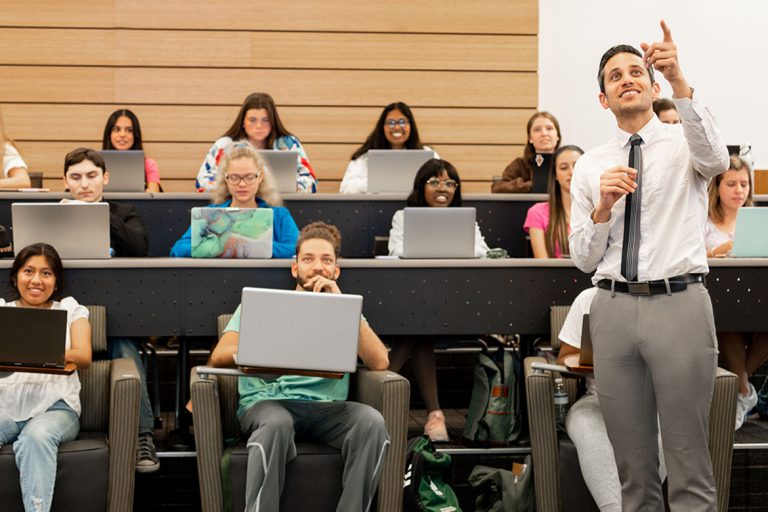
(356, 429)
(654, 354)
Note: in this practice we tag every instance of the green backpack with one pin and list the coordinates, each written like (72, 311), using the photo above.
(425, 488)
(493, 417)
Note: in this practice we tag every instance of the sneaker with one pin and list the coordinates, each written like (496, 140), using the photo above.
(744, 404)
(146, 455)
(762, 401)
(435, 427)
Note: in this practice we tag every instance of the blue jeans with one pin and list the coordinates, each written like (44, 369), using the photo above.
(128, 348)
(36, 444)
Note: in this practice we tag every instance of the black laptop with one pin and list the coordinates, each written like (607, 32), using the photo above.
(33, 340)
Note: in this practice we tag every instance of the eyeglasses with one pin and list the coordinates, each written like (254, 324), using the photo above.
(399, 122)
(449, 184)
(235, 179)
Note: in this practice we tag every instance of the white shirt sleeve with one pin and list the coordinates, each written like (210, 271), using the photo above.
(355, 179)
(587, 240)
(570, 333)
(396, 234)
(709, 152)
(481, 248)
(11, 159)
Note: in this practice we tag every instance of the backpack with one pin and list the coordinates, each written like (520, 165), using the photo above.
(425, 488)
(494, 417)
(499, 490)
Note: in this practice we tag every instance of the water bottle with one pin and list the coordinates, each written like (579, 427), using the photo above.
(560, 397)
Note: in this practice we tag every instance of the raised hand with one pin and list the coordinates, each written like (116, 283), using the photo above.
(663, 57)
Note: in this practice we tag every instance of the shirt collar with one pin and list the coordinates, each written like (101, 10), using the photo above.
(647, 132)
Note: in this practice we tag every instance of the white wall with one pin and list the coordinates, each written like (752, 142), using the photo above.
(723, 49)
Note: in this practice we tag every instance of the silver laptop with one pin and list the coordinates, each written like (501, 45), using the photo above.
(299, 330)
(126, 170)
(32, 338)
(76, 230)
(749, 237)
(439, 232)
(232, 232)
(392, 171)
(283, 165)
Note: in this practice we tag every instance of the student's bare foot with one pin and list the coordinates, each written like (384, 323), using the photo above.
(435, 427)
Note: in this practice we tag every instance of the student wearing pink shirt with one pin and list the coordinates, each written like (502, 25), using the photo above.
(123, 132)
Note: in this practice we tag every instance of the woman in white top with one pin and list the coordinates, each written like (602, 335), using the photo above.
(395, 129)
(14, 168)
(739, 352)
(40, 411)
(437, 184)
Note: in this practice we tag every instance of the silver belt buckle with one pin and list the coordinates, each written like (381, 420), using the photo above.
(643, 288)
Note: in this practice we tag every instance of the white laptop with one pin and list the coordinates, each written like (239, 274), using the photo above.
(392, 171)
(439, 232)
(126, 170)
(76, 230)
(749, 237)
(283, 165)
(232, 232)
(297, 330)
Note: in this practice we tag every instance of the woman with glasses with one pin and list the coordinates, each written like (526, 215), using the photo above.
(547, 223)
(395, 129)
(123, 133)
(437, 184)
(543, 139)
(244, 181)
(258, 125)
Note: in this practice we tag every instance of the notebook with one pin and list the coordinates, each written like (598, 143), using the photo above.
(126, 170)
(232, 232)
(749, 239)
(297, 330)
(77, 230)
(33, 340)
(439, 232)
(283, 165)
(392, 171)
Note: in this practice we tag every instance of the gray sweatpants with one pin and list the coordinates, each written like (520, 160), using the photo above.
(356, 429)
(657, 353)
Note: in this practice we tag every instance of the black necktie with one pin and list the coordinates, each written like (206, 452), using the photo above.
(631, 247)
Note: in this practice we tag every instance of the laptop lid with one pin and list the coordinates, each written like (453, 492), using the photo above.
(749, 240)
(439, 232)
(283, 165)
(232, 232)
(77, 230)
(392, 171)
(299, 330)
(33, 337)
(585, 352)
(126, 170)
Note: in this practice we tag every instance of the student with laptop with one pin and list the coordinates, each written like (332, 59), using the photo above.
(244, 181)
(741, 353)
(272, 412)
(258, 125)
(437, 184)
(123, 133)
(585, 424)
(547, 223)
(396, 129)
(529, 172)
(39, 411)
(14, 168)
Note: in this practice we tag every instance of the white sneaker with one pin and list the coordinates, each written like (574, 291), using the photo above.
(744, 404)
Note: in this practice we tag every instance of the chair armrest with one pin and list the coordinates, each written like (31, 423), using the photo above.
(389, 393)
(721, 416)
(209, 441)
(544, 443)
(124, 397)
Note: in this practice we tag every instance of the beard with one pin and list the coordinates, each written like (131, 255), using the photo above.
(301, 280)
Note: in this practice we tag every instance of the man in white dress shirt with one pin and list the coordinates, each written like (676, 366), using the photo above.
(651, 319)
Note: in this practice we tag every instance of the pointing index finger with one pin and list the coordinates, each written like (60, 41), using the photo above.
(667, 32)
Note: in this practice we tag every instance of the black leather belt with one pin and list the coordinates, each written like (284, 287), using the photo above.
(676, 284)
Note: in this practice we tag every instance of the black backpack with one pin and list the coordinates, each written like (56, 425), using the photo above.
(425, 487)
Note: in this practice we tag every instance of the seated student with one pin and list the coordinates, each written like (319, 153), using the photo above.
(585, 424)
(437, 184)
(259, 125)
(244, 181)
(742, 354)
(543, 138)
(273, 412)
(123, 132)
(14, 169)
(395, 129)
(39, 411)
(547, 223)
(666, 111)
(85, 176)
